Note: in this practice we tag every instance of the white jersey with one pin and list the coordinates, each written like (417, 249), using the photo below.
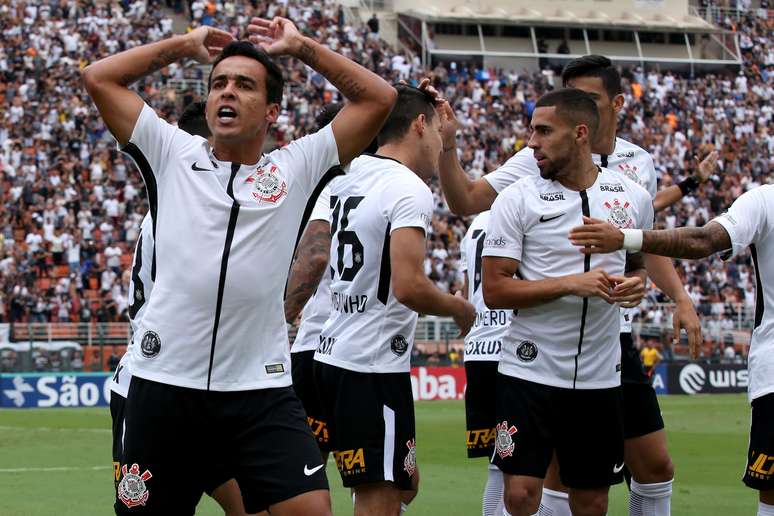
(317, 309)
(750, 222)
(571, 342)
(628, 159)
(216, 318)
(140, 287)
(368, 329)
(484, 340)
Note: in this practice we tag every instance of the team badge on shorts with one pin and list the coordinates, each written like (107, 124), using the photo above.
(504, 445)
(410, 462)
(619, 216)
(268, 185)
(132, 490)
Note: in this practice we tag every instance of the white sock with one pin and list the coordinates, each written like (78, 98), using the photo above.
(493, 492)
(403, 507)
(651, 499)
(765, 509)
(554, 503)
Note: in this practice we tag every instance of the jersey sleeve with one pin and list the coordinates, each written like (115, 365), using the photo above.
(322, 207)
(520, 165)
(312, 156)
(651, 182)
(505, 233)
(152, 141)
(744, 221)
(409, 204)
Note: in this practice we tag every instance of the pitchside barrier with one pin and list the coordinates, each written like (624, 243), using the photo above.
(36, 390)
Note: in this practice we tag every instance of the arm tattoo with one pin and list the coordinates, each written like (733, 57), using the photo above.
(162, 59)
(308, 268)
(307, 54)
(348, 86)
(691, 243)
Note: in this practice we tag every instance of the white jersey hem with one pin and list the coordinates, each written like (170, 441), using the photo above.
(358, 368)
(283, 381)
(562, 384)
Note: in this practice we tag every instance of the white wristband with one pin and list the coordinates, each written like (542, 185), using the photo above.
(632, 240)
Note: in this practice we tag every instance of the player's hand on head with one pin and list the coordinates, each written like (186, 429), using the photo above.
(466, 315)
(685, 317)
(208, 42)
(595, 283)
(278, 36)
(596, 236)
(627, 290)
(708, 166)
(427, 87)
(449, 125)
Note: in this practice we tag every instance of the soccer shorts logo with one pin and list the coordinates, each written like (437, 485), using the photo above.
(410, 462)
(504, 445)
(132, 489)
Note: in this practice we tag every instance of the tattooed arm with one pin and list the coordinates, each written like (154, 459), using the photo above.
(597, 236)
(309, 267)
(370, 98)
(107, 80)
(691, 243)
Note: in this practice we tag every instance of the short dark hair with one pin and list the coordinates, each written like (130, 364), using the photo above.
(193, 120)
(594, 65)
(274, 80)
(573, 105)
(326, 115)
(411, 103)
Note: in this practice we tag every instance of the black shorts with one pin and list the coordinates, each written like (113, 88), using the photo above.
(480, 407)
(176, 439)
(117, 404)
(301, 366)
(585, 427)
(371, 422)
(642, 414)
(632, 370)
(214, 477)
(759, 473)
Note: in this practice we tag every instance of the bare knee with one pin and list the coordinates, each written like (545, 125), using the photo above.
(522, 499)
(585, 502)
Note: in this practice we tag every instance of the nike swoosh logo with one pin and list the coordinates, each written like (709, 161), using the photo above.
(199, 169)
(544, 219)
(309, 472)
(617, 469)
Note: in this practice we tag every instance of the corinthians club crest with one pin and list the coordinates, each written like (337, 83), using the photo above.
(410, 462)
(504, 445)
(619, 215)
(131, 489)
(630, 171)
(268, 185)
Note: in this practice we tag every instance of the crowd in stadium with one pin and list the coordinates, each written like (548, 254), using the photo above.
(72, 203)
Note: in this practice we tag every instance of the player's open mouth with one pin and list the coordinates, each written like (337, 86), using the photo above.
(226, 114)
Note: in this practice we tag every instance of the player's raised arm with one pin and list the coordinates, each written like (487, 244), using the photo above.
(670, 195)
(107, 80)
(370, 98)
(463, 195)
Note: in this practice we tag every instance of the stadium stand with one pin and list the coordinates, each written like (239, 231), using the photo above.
(72, 204)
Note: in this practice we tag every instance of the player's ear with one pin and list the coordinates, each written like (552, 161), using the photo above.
(581, 132)
(420, 123)
(272, 112)
(618, 103)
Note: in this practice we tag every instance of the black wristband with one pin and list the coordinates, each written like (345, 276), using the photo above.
(688, 185)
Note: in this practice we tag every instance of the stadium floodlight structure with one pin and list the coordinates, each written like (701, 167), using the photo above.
(520, 33)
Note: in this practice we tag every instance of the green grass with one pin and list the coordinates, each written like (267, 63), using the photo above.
(707, 439)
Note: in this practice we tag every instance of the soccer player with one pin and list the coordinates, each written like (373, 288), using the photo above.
(212, 362)
(220, 483)
(646, 448)
(561, 357)
(309, 287)
(650, 357)
(749, 222)
(381, 214)
(482, 354)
